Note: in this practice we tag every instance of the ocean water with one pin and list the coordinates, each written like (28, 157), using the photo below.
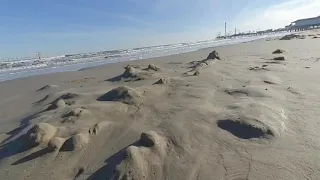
(31, 66)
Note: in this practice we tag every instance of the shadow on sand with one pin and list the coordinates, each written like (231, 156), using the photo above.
(14, 147)
(32, 156)
(109, 170)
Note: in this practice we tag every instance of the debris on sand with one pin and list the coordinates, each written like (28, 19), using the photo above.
(56, 105)
(77, 112)
(47, 87)
(278, 51)
(196, 73)
(63, 100)
(122, 94)
(269, 82)
(41, 133)
(135, 73)
(257, 68)
(213, 55)
(281, 58)
(76, 142)
(162, 81)
(292, 36)
(98, 127)
(56, 143)
(69, 96)
(153, 67)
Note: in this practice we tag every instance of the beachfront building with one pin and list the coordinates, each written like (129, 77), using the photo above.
(303, 24)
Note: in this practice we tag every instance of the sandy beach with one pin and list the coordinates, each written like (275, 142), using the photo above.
(247, 111)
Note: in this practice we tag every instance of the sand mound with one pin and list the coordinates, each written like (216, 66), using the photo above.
(292, 36)
(56, 143)
(254, 120)
(192, 72)
(153, 67)
(131, 72)
(77, 112)
(278, 51)
(202, 63)
(56, 105)
(253, 91)
(213, 55)
(64, 98)
(47, 87)
(196, 65)
(281, 58)
(41, 133)
(76, 142)
(144, 161)
(80, 140)
(123, 94)
(149, 139)
(163, 81)
(246, 129)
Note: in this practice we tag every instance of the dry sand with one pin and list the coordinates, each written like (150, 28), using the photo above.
(182, 117)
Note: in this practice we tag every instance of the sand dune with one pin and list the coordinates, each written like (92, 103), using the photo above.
(232, 112)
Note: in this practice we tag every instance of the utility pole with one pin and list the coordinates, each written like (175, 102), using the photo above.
(38, 54)
(225, 30)
(235, 31)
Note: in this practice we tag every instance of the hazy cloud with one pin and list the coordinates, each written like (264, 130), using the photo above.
(282, 14)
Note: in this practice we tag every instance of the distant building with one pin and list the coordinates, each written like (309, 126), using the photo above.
(304, 23)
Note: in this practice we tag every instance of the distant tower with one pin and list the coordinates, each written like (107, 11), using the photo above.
(38, 54)
(225, 30)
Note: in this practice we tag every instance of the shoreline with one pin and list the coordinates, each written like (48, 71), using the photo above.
(85, 65)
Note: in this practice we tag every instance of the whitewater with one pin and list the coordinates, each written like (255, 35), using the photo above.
(33, 66)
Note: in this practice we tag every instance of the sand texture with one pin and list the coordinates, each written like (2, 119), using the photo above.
(248, 111)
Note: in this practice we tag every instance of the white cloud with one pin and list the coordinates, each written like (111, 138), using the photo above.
(280, 15)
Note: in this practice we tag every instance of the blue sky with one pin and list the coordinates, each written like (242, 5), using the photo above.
(71, 26)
